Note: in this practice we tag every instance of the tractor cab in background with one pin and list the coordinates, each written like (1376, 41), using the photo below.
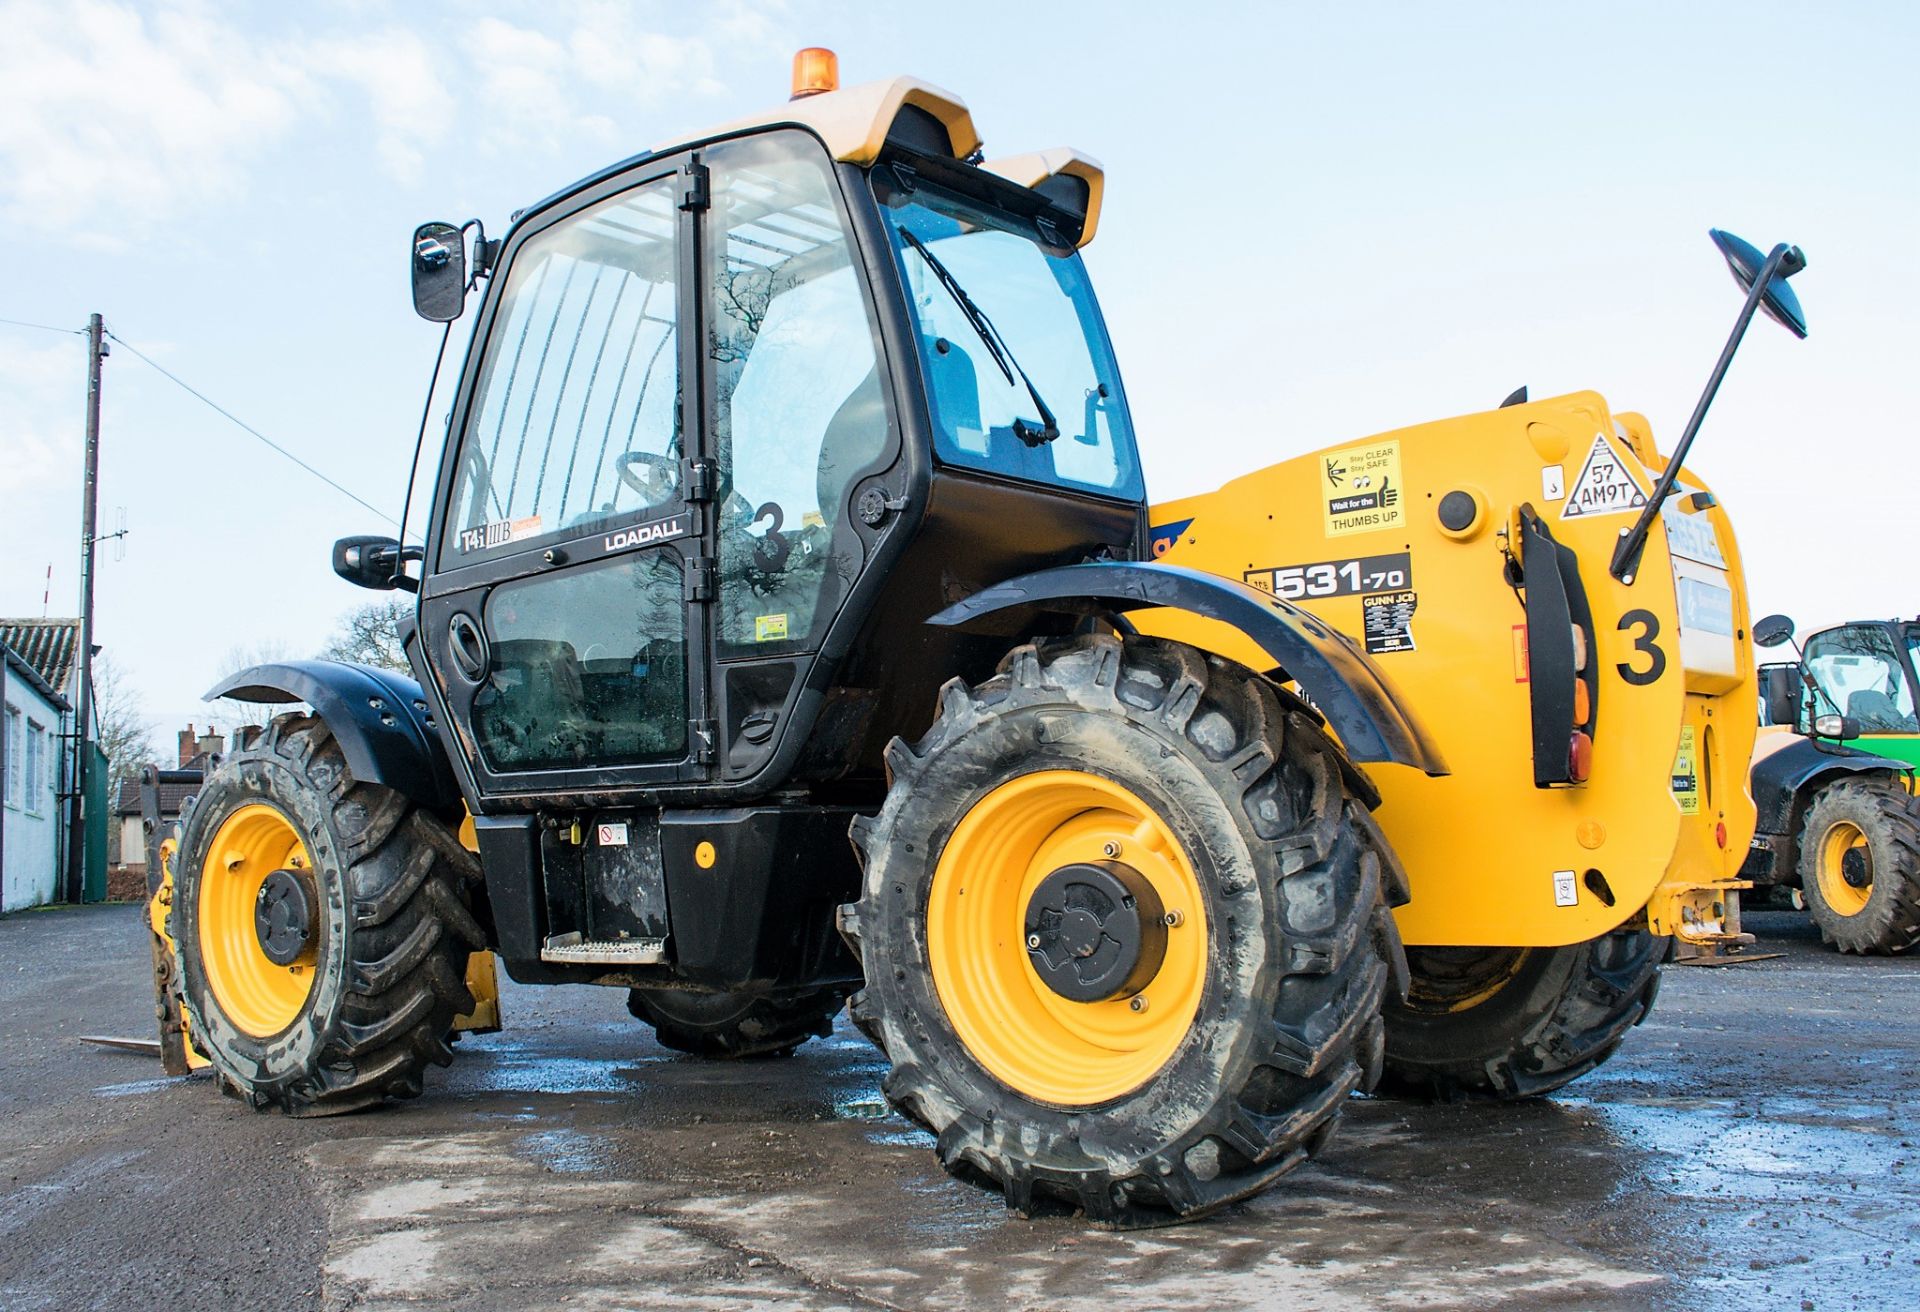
(1838, 829)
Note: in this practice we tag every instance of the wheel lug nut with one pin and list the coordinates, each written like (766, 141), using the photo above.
(1138, 1002)
(1033, 940)
(1111, 849)
(1173, 919)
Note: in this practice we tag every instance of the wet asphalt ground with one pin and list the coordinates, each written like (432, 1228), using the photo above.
(1755, 1144)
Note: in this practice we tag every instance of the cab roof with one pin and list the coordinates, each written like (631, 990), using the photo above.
(854, 124)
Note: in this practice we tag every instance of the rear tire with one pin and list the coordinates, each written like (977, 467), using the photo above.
(736, 1024)
(1259, 1023)
(366, 1007)
(1863, 829)
(1503, 1023)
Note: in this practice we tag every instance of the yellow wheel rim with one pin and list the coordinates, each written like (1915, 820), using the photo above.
(1841, 841)
(1038, 1043)
(1447, 980)
(259, 997)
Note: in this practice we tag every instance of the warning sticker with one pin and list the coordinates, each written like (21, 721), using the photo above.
(1604, 486)
(1361, 489)
(1566, 893)
(770, 628)
(612, 835)
(1686, 774)
(1387, 620)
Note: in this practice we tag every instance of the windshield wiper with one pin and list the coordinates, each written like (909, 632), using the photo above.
(996, 346)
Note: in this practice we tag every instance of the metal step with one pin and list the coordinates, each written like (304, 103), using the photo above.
(574, 950)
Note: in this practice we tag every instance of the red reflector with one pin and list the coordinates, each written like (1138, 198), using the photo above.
(1579, 757)
(1720, 833)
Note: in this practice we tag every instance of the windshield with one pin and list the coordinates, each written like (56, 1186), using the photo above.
(1859, 673)
(1021, 376)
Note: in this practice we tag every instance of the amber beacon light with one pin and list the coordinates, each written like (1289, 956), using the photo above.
(815, 69)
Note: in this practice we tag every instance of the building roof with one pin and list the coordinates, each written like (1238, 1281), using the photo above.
(47, 645)
(18, 668)
(126, 797)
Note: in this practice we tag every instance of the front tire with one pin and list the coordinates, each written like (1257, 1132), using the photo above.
(1504, 1023)
(1860, 866)
(1253, 885)
(322, 926)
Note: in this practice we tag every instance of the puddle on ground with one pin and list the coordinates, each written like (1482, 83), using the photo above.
(569, 1152)
(869, 1107)
(525, 1072)
(1762, 1152)
(133, 1087)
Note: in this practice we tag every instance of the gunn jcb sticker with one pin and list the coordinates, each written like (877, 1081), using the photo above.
(1361, 489)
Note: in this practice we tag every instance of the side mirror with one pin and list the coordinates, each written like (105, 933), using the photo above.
(1841, 727)
(1778, 300)
(372, 561)
(1780, 689)
(439, 272)
(1772, 630)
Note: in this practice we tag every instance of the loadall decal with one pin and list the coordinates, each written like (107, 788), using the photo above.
(1362, 489)
(645, 535)
(1604, 486)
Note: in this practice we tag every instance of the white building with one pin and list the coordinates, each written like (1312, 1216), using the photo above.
(31, 769)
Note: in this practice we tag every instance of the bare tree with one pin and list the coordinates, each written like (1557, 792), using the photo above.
(126, 736)
(370, 634)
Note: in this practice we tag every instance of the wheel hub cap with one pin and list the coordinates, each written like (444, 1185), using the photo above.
(1095, 930)
(283, 917)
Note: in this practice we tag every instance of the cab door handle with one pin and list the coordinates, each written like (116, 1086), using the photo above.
(468, 646)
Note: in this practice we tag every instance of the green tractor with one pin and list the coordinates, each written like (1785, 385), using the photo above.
(1833, 780)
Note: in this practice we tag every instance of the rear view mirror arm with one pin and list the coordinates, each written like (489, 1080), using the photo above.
(1626, 555)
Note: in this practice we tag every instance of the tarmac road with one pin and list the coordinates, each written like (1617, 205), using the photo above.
(1756, 1144)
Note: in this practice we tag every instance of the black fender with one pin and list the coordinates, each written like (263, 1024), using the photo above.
(1373, 722)
(1783, 782)
(379, 717)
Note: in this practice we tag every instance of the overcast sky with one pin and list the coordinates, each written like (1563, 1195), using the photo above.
(1322, 221)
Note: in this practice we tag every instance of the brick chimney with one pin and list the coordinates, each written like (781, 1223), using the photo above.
(189, 744)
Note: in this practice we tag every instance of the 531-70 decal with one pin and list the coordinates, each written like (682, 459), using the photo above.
(1336, 578)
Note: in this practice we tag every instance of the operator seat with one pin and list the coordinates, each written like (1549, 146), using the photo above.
(1878, 712)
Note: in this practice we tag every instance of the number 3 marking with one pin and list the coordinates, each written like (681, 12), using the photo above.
(1656, 658)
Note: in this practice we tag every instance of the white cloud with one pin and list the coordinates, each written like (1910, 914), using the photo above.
(38, 386)
(115, 117)
(396, 70)
(102, 107)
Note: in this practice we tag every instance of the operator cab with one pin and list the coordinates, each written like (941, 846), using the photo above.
(736, 419)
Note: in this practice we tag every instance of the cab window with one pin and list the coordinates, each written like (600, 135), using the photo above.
(1008, 327)
(1860, 675)
(798, 409)
(576, 418)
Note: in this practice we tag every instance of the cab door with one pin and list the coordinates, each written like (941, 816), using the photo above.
(561, 613)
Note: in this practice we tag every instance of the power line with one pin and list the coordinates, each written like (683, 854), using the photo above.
(46, 327)
(225, 413)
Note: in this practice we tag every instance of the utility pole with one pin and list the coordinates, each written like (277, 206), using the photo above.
(89, 511)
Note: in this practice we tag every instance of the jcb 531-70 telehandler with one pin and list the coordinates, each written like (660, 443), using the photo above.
(790, 495)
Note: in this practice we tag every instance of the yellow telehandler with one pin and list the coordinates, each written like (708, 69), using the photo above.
(789, 495)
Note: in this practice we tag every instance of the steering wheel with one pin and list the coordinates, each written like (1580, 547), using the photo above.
(654, 477)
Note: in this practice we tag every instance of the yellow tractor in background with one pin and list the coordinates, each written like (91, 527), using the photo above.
(790, 496)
